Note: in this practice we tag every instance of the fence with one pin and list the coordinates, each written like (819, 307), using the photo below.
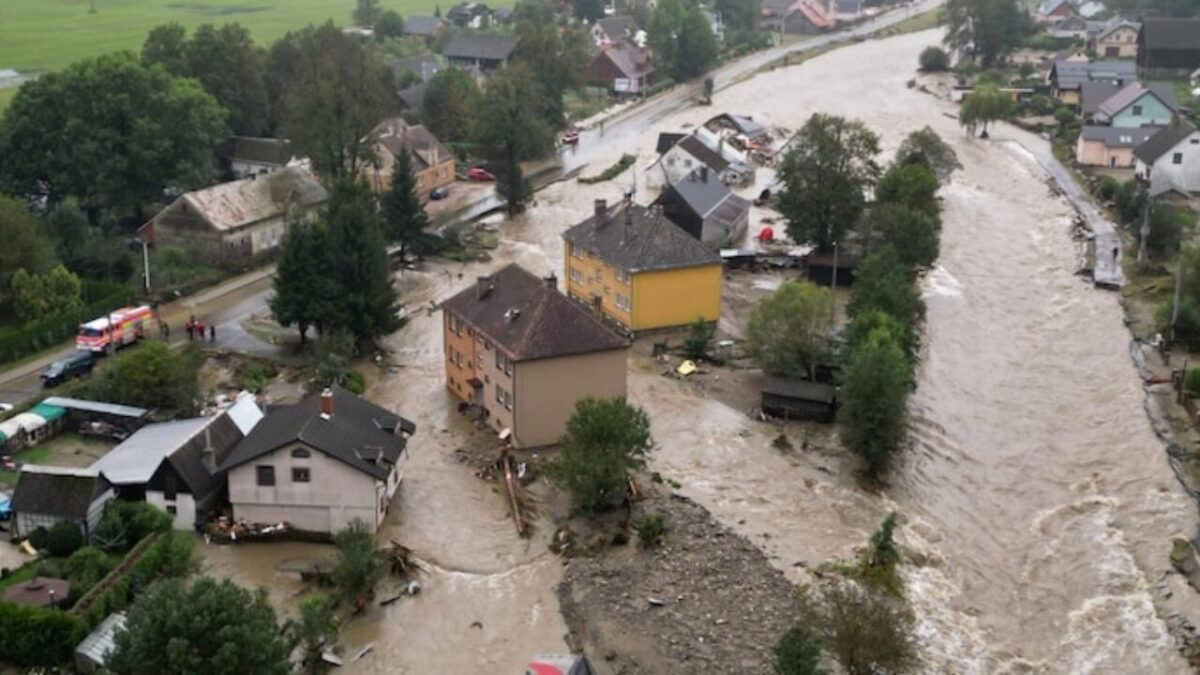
(99, 298)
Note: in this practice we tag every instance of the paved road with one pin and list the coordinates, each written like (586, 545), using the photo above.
(230, 303)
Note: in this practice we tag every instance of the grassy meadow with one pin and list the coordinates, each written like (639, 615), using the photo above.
(49, 34)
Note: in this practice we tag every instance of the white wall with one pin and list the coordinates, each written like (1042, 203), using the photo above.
(1185, 175)
(185, 508)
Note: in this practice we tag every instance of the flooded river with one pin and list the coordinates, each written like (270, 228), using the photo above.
(1037, 503)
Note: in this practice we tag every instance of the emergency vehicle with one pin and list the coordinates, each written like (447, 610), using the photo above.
(118, 328)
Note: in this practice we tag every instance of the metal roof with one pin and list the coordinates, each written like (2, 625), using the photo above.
(1119, 137)
(245, 412)
(1072, 74)
(96, 407)
(97, 645)
(136, 459)
(231, 205)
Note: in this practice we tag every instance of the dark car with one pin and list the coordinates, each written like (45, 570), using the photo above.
(438, 193)
(80, 362)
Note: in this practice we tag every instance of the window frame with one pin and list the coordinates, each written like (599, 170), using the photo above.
(264, 475)
(301, 474)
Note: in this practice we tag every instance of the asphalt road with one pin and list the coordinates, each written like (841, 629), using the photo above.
(228, 304)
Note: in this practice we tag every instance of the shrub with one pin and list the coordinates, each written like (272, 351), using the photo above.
(1191, 382)
(699, 340)
(611, 172)
(255, 376)
(126, 523)
(358, 566)
(1106, 188)
(934, 60)
(798, 653)
(85, 568)
(63, 539)
(355, 383)
(36, 637)
(605, 440)
(651, 529)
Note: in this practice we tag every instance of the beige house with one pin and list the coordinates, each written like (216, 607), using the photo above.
(523, 354)
(319, 464)
(432, 163)
(232, 224)
(1118, 39)
(1110, 147)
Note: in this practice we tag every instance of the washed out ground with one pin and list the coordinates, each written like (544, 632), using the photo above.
(1036, 506)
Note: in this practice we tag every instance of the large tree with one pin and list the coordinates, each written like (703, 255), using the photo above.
(874, 398)
(924, 146)
(911, 185)
(556, 58)
(332, 97)
(986, 104)
(697, 48)
(869, 633)
(208, 627)
(166, 45)
(883, 282)
(357, 262)
(913, 234)
(666, 23)
(741, 19)
(789, 330)
(451, 103)
(825, 173)
(358, 566)
(988, 30)
(605, 440)
(303, 292)
(154, 376)
(112, 133)
(509, 129)
(25, 246)
(404, 217)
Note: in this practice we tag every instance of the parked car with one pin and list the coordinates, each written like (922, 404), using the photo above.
(478, 173)
(80, 362)
(570, 137)
(437, 194)
(558, 664)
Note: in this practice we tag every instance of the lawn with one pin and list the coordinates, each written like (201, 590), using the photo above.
(66, 449)
(49, 34)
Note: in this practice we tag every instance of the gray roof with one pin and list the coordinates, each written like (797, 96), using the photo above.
(424, 66)
(800, 389)
(1072, 74)
(618, 27)
(1095, 93)
(706, 155)
(135, 460)
(651, 242)
(358, 433)
(531, 320)
(479, 46)
(744, 124)
(708, 197)
(97, 645)
(1171, 34)
(1130, 94)
(262, 150)
(1161, 143)
(57, 491)
(1113, 24)
(1119, 137)
(97, 407)
(421, 25)
(667, 140)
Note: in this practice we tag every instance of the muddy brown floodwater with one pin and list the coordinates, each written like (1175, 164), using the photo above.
(1037, 504)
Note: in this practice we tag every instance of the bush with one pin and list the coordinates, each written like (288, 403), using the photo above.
(63, 539)
(355, 383)
(36, 637)
(798, 653)
(651, 528)
(699, 340)
(255, 376)
(605, 440)
(934, 60)
(85, 568)
(611, 172)
(126, 523)
(1191, 382)
(1105, 188)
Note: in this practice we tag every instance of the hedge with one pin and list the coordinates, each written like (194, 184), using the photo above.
(611, 172)
(38, 637)
(99, 298)
(149, 561)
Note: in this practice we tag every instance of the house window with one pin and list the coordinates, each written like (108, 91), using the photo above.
(622, 276)
(266, 475)
(1137, 111)
(1177, 158)
(455, 325)
(499, 394)
(576, 253)
(503, 363)
(576, 276)
(487, 344)
(301, 453)
(599, 276)
(623, 302)
(508, 400)
(300, 474)
(171, 509)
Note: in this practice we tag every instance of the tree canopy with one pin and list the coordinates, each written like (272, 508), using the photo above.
(913, 234)
(358, 264)
(142, 131)
(911, 185)
(825, 173)
(605, 440)
(924, 146)
(35, 296)
(227, 64)
(741, 19)
(451, 103)
(510, 128)
(208, 627)
(883, 282)
(154, 376)
(404, 217)
(333, 93)
(302, 294)
(986, 104)
(869, 633)
(697, 49)
(663, 32)
(25, 247)
(358, 566)
(874, 396)
(987, 30)
(556, 58)
(789, 330)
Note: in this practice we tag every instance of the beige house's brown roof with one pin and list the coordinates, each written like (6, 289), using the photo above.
(232, 205)
(425, 149)
(529, 319)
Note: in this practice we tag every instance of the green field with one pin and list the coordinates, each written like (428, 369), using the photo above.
(49, 34)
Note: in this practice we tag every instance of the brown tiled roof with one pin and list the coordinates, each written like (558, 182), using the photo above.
(529, 319)
(424, 148)
(651, 242)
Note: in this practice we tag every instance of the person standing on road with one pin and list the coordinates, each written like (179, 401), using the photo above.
(1116, 252)
(212, 332)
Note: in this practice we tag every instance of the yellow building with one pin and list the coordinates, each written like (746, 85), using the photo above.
(640, 270)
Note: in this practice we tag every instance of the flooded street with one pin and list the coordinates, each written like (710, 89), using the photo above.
(1037, 504)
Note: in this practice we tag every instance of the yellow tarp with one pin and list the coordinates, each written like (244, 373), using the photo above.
(686, 368)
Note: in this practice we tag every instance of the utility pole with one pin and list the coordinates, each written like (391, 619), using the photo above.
(1178, 283)
(146, 264)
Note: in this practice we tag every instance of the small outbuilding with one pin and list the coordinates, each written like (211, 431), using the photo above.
(92, 654)
(89, 416)
(46, 495)
(799, 399)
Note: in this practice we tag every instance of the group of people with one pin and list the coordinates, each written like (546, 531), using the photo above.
(195, 329)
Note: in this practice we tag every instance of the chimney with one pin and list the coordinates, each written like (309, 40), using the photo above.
(601, 207)
(209, 455)
(483, 285)
(327, 403)
(551, 281)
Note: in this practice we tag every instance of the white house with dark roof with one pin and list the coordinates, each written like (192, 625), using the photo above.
(704, 207)
(1170, 162)
(319, 464)
(232, 224)
(613, 30)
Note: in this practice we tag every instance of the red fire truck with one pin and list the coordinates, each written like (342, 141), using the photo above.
(118, 328)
